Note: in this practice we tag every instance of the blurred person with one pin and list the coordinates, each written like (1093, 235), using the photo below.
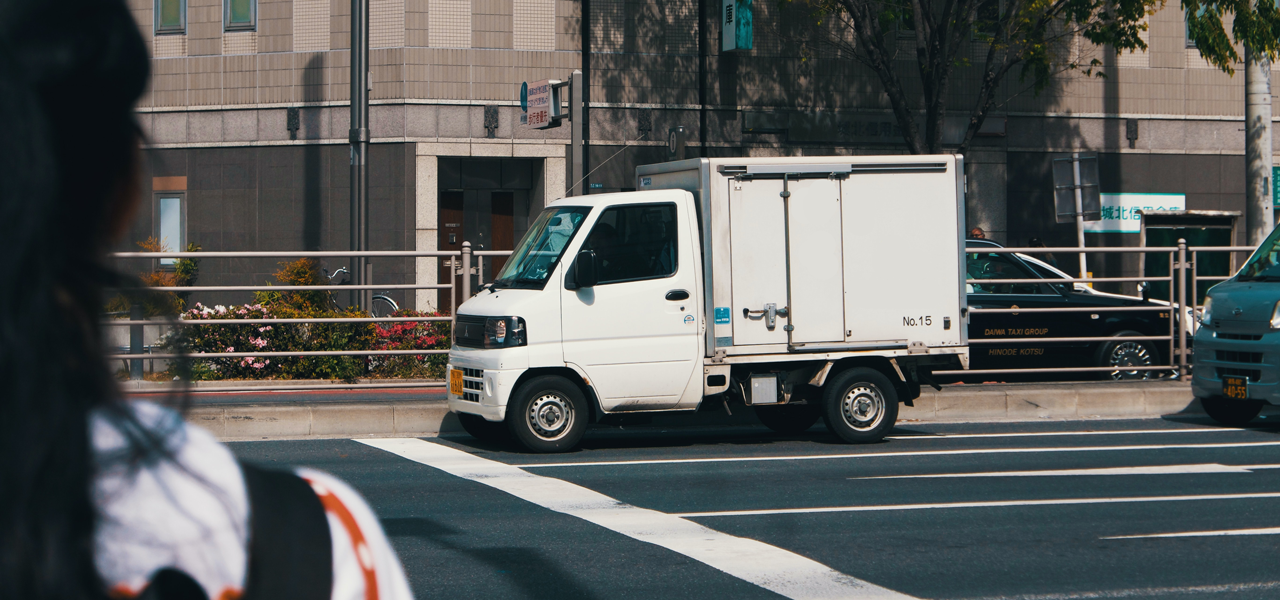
(977, 234)
(1045, 256)
(101, 497)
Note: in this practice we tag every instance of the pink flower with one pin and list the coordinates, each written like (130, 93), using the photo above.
(262, 329)
(231, 349)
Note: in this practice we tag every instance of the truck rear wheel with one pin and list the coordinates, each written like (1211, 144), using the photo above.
(547, 414)
(860, 405)
(484, 430)
(1231, 412)
(790, 419)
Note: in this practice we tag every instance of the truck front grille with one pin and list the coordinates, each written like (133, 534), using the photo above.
(468, 331)
(1243, 337)
(472, 384)
(1252, 375)
(1253, 358)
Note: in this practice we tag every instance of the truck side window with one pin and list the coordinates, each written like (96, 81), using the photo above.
(994, 267)
(634, 242)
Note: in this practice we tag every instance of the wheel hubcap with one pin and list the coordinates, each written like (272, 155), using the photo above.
(550, 416)
(1129, 354)
(862, 407)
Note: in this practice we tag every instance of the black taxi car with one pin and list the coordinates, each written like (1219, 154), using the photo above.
(987, 269)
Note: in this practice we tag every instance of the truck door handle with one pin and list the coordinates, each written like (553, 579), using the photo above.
(675, 295)
(770, 313)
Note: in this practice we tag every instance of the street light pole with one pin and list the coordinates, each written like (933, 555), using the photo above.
(359, 138)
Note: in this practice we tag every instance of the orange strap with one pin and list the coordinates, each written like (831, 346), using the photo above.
(364, 556)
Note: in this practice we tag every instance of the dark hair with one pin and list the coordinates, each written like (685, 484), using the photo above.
(70, 73)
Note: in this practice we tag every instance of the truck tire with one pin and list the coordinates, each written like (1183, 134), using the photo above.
(1234, 413)
(789, 419)
(860, 405)
(547, 414)
(484, 430)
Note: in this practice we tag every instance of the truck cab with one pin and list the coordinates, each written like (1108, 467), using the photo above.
(1237, 347)
(752, 281)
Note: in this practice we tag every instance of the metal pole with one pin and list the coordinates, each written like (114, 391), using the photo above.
(359, 139)
(578, 122)
(702, 79)
(466, 273)
(584, 94)
(1075, 169)
(135, 341)
(1182, 310)
(1258, 216)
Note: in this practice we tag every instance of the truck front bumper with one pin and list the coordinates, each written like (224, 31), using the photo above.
(486, 386)
(1256, 360)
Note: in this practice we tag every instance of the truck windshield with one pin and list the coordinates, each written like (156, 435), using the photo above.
(536, 254)
(1265, 262)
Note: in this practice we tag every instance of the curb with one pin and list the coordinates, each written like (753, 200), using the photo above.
(954, 404)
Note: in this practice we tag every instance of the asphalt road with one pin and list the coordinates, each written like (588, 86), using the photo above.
(1019, 510)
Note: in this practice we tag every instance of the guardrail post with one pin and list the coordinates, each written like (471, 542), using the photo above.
(135, 341)
(1182, 310)
(466, 273)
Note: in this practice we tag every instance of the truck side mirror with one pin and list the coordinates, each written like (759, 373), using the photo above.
(584, 269)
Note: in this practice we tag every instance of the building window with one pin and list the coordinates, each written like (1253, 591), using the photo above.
(171, 16)
(240, 15)
(171, 225)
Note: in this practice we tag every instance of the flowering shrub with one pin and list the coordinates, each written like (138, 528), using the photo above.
(412, 335)
(300, 337)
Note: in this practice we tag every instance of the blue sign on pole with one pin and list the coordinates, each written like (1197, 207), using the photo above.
(524, 96)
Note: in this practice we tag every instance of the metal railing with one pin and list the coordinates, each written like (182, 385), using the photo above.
(1183, 275)
(459, 264)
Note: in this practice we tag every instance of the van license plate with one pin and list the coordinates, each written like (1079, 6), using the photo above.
(1235, 387)
(455, 382)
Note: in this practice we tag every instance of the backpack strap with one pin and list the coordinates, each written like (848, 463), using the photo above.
(290, 551)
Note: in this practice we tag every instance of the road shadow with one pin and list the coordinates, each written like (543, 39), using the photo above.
(527, 568)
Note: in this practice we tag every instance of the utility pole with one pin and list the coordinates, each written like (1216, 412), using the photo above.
(585, 97)
(359, 138)
(1258, 218)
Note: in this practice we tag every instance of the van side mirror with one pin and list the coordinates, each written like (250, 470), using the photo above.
(1144, 289)
(584, 270)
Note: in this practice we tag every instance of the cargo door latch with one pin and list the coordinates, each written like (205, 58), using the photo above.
(770, 314)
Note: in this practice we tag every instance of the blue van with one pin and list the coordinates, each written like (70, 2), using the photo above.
(1237, 348)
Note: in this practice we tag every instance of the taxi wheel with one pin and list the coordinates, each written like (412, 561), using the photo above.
(1234, 413)
(1127, 353)
(547, 414)
(483, 429)
(790, 419)
(860, 405)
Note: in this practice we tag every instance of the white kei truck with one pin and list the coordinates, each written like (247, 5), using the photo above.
(805, 288)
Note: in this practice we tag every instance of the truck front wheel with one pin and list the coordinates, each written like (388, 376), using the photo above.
(547, 414)
(860, 405)
(1234, 413)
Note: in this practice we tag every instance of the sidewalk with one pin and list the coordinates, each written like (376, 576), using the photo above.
(284, 418)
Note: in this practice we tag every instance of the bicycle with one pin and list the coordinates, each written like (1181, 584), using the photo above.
(382, 305)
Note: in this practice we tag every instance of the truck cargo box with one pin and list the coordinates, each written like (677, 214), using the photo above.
(827, 254)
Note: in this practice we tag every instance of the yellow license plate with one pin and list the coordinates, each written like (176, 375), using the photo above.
(1235, 387)
(455, 382)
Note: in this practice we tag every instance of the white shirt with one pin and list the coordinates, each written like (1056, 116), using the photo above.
(192, 514)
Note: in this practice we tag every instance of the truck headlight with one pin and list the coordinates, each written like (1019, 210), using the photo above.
(1205, 311)
(504, 332)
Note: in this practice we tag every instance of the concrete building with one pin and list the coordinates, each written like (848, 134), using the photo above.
(247, 121)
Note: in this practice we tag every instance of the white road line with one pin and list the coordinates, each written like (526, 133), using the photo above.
(674, 461)
(1164, 592)
(1153, 470)
(769, 567)
(1223, 532)
(988, 504)
(959, 436)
